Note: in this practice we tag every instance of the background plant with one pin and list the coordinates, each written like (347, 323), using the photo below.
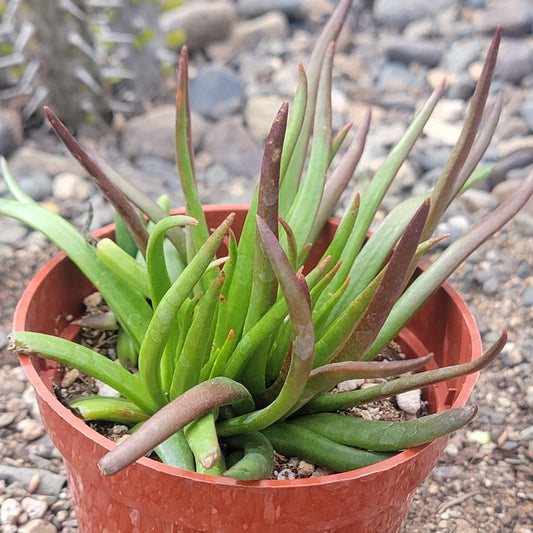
(217, 330)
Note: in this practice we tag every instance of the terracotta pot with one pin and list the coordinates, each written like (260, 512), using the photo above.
(150, 496)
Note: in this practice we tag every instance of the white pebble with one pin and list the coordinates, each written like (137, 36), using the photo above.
(350, 384)
(34, 507)
(68, 186)
(105, 390)
(30, 429)
(410, 401)
(481, 437)
(10, 511)
(286, 473)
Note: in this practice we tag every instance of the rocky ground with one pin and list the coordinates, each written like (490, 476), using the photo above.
(394, 53)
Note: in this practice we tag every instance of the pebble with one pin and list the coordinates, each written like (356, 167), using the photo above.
(527, 297)
(230, 145)
(259, 114)
(481, 437)
(69, 186)
(50, 482)
(35, 508)
(199, 23)
(152, 133)
(216, 92)
(515, 18)
(515, 60)
(410, 401)
(6, 419)
(424, 51)
(295, 9)
(30, 429)
(10, 510)
(38, 526)
(305, 468)
(397, 15)
(527, 434)
(37, 184)
(13, 231)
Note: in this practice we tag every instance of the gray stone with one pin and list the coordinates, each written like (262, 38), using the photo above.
(514, 16)
(36, 184)
(447, 472)
(491, 285)
(515, 60)
(153, 166)
(527, 297)
(49, 483)
(216, 92)
(294, 9)
(200, 23)
(527, 433)
(462, 88)
(435, 157)
(461, 53)
(152, 133)
(13, 232)
(395, 77)
(398, 14)
(424, 51)
(230, 145)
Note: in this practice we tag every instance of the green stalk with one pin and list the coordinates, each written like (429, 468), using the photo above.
(124, 265)
(163, 319)
(130, 307)
(345, 400)
(430, 280)
(303, 211)
(155, 258)
(197, 343)
(296, 295)
(292, 440)
(378, 435)
(264, 286)
(173, 417)
(202, 438)
(88, 361)
(258, 459)
(117, 410)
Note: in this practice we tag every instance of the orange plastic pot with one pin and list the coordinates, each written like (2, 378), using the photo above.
(152, 497)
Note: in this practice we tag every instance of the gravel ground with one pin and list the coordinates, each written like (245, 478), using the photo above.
(484, 480)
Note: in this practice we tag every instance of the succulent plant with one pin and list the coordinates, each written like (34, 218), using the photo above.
(242, 350)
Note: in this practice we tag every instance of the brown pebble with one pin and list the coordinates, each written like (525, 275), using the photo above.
(34, 483)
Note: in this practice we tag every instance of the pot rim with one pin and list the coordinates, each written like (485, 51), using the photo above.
(77, 424)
